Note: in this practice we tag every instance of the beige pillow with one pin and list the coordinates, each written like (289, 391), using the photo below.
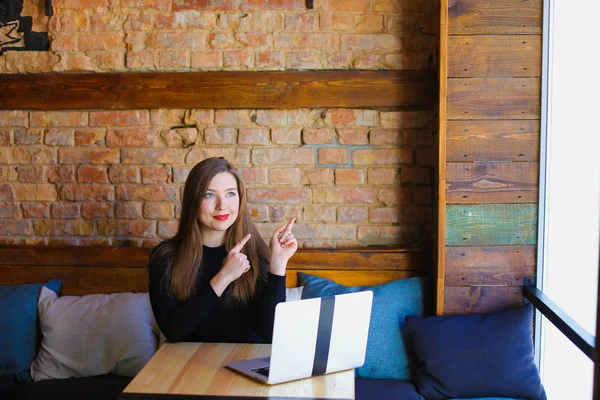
(94, 335)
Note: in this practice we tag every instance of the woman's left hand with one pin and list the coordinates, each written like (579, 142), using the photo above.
(283, 246)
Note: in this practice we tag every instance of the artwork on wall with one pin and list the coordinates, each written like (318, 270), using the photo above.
(16, 31)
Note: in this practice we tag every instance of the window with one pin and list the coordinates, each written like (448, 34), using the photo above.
(569, 192)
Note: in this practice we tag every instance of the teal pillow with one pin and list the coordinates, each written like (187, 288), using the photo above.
(387, 354)
(20, 328)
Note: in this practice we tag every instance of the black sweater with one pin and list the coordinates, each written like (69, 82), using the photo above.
(204, 317)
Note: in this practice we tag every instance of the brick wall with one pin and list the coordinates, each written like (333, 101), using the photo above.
(352, 177)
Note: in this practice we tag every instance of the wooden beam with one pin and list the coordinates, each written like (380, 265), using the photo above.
(263, 90)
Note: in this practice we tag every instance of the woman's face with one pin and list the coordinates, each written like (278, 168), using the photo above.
(219, 208)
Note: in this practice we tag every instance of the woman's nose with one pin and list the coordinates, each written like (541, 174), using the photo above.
(219, 205)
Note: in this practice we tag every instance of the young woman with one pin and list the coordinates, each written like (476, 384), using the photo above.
(216, 280)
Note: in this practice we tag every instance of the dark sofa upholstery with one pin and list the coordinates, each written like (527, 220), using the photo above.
(384, 389)
(105, 387)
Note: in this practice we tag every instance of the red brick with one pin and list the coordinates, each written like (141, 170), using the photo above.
(170, 59)
(351, 214)
(90, 137)
(139, 23)
(158, 211)
(101, 42)
(144, 59)
(14, 118)
(271, 118)
(406, 119)
(64, 210)
(61, 174)
(10, 210)
(319, 213)
(346, 6)
(303, 60)
(56, 227)
(258, 212)
(333, 156)
(87, 192)
(318, 176)
(284, 213)
(35, 192)
(205, 5)
(344, 195)
(258, 5)
(366, 42)
(353, 136)
(63, 43)
(304, 41)
(88, 156)
(387, 215)
(207, 60)
(278, 195)
(135, 228)
(167, 229)
(110, 60)
(239, 60)
(5, 137)
(134, 137)
(152, 156)
(368, 23)
(30, 173)
(318, 135)
(92, 173)
(129, 210)
(383, 176)
(284, 176)
(253, 175)
(394, 196)
(324, 231)
(147, 193)
(180, 174)
(258, 136)
(306, 22)
(124, 174)
(28, 136)
(280, 156)
(97, 210)
(349, 176)
(119, 118)
(286, 135)
(36, 210)
(8, 174)
(59, 137)
(179, 137)
(6, 193)
(235, 155)
(203, 117)
(94, 241)
(382, 156)
(15, 228)
(156, 175)
(382, 137)
(416, 175)
(220, 135)
(159, 5)
(42, 155)
(233, 117)
(270, 60)
(336, 22)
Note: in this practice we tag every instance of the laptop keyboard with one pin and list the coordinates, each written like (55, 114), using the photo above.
(264, 371)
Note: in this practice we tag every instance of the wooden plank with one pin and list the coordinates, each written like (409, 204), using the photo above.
(503, 140)
(494, 98)
(491, 224)
(481, 299)
(440, 188)
(290, 89)
(497, 55)
(503, 17)
(77, 281)
(492, 182)
(134, 257)
(489, 265)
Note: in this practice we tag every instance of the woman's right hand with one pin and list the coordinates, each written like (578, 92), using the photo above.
(234, 266)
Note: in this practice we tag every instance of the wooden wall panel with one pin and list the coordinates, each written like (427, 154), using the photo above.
(498, 55)
(492, 182)
(491, 224)
(496, 140)
(481, 299)
(494, 98)
(489, 265)
(505, 17)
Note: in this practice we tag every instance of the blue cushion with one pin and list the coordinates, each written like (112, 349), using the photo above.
(383, 389)
(476, 355)
(387, 356)
(19, 327)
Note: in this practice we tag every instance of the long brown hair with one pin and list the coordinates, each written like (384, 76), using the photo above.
(184, 250)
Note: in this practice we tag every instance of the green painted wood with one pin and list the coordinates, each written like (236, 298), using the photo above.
(491, 224)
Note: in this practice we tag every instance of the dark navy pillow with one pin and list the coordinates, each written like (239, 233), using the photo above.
(476, 355)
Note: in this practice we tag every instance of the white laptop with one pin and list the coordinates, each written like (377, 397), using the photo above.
(314, 337)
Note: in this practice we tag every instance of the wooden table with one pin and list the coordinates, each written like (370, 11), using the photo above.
(198, 369)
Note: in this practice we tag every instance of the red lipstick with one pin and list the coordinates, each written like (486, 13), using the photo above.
(221, 217)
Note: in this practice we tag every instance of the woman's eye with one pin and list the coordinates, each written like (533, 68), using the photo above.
(209, 196)
(230, 194)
